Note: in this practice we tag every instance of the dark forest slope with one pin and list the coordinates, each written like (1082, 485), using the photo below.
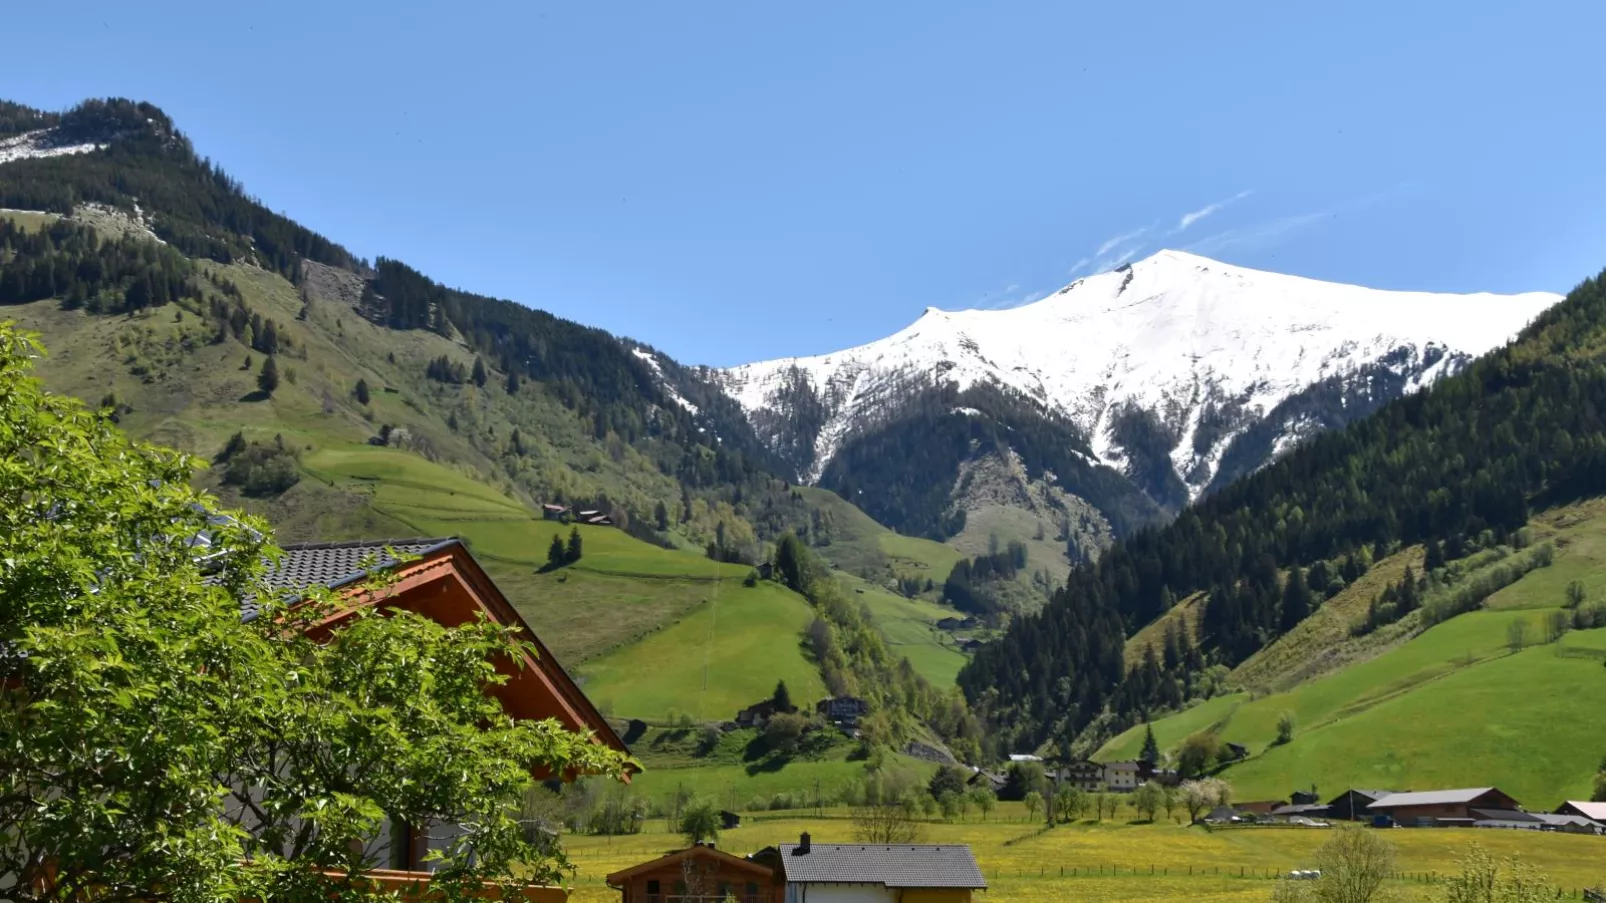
(1458, 466)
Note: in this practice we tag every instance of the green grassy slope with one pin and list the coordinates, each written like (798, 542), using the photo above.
(723, 655)
(1451, 706)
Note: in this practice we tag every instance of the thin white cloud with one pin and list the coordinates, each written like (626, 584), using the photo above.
(1080, 265)
(1119, 240)
(1192, 217)
(1273, 231)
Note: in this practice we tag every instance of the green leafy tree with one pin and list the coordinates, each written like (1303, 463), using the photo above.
(1148, 799)
(983, 798)
(1483, 879)
(130, 758)
(948, 779)
(1023, 778)
(1034, 804)
(1576, 594)
(783, 731)
(573, 552)
(1285, 727)
(361, 391)
(699, 822)
(791, 560)
(268, 376)
(1198, 753)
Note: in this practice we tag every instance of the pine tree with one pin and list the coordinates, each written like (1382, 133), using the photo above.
(1435, 556)
(660, 515)
(1409, 598)
(573, 553)
(1151, 749)
(1296, 599)
(512, 383)
(554, 552)
(362, 391)
(782, 698)
(479, 373)
(268, 377)
(517, 442)
(451, 421)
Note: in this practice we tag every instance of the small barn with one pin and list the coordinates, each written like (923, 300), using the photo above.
(728, 820)
(1351, 804)
(1442, 806)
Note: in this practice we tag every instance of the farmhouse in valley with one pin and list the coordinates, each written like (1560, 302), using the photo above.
(1085, 776)
(843, 711)
(1443, 806)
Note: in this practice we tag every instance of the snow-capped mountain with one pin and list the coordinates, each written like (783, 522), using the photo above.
(1175, 355)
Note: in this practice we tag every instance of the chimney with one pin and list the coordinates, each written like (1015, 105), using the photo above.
(803, 844)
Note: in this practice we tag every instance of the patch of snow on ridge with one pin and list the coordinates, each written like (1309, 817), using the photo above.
(32, 145)
(658, 371)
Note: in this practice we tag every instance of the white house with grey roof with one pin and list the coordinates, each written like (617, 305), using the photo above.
(875, 873)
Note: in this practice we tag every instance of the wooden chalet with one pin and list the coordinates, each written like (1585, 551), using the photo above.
(699, 874)
(444, 583)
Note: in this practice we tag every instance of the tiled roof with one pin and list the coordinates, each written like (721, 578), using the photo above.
(896, 865)
(1431, 797)
(335, 564)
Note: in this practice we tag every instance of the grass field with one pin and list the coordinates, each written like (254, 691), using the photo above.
(1453, 706)
(724, 655)
(910, 628)
(1112, 861)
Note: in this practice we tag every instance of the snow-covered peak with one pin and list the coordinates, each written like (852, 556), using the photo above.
(1171, 334)
(41, 143)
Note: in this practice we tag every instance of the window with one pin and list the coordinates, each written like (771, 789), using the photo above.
(653, 887)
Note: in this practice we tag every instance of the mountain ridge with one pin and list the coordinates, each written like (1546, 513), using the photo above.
(1166, 366)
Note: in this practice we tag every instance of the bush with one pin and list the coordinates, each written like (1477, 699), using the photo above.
(259, 468)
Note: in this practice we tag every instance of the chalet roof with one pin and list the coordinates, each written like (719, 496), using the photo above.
(1434, 797)
(895, 865)
(700, 851)
(1122, 766)
(336, 564)
(339, 564)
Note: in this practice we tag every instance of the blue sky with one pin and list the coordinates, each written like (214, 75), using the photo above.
(737, 181)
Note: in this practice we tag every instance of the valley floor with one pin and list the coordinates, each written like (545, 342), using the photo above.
(1118, 860)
